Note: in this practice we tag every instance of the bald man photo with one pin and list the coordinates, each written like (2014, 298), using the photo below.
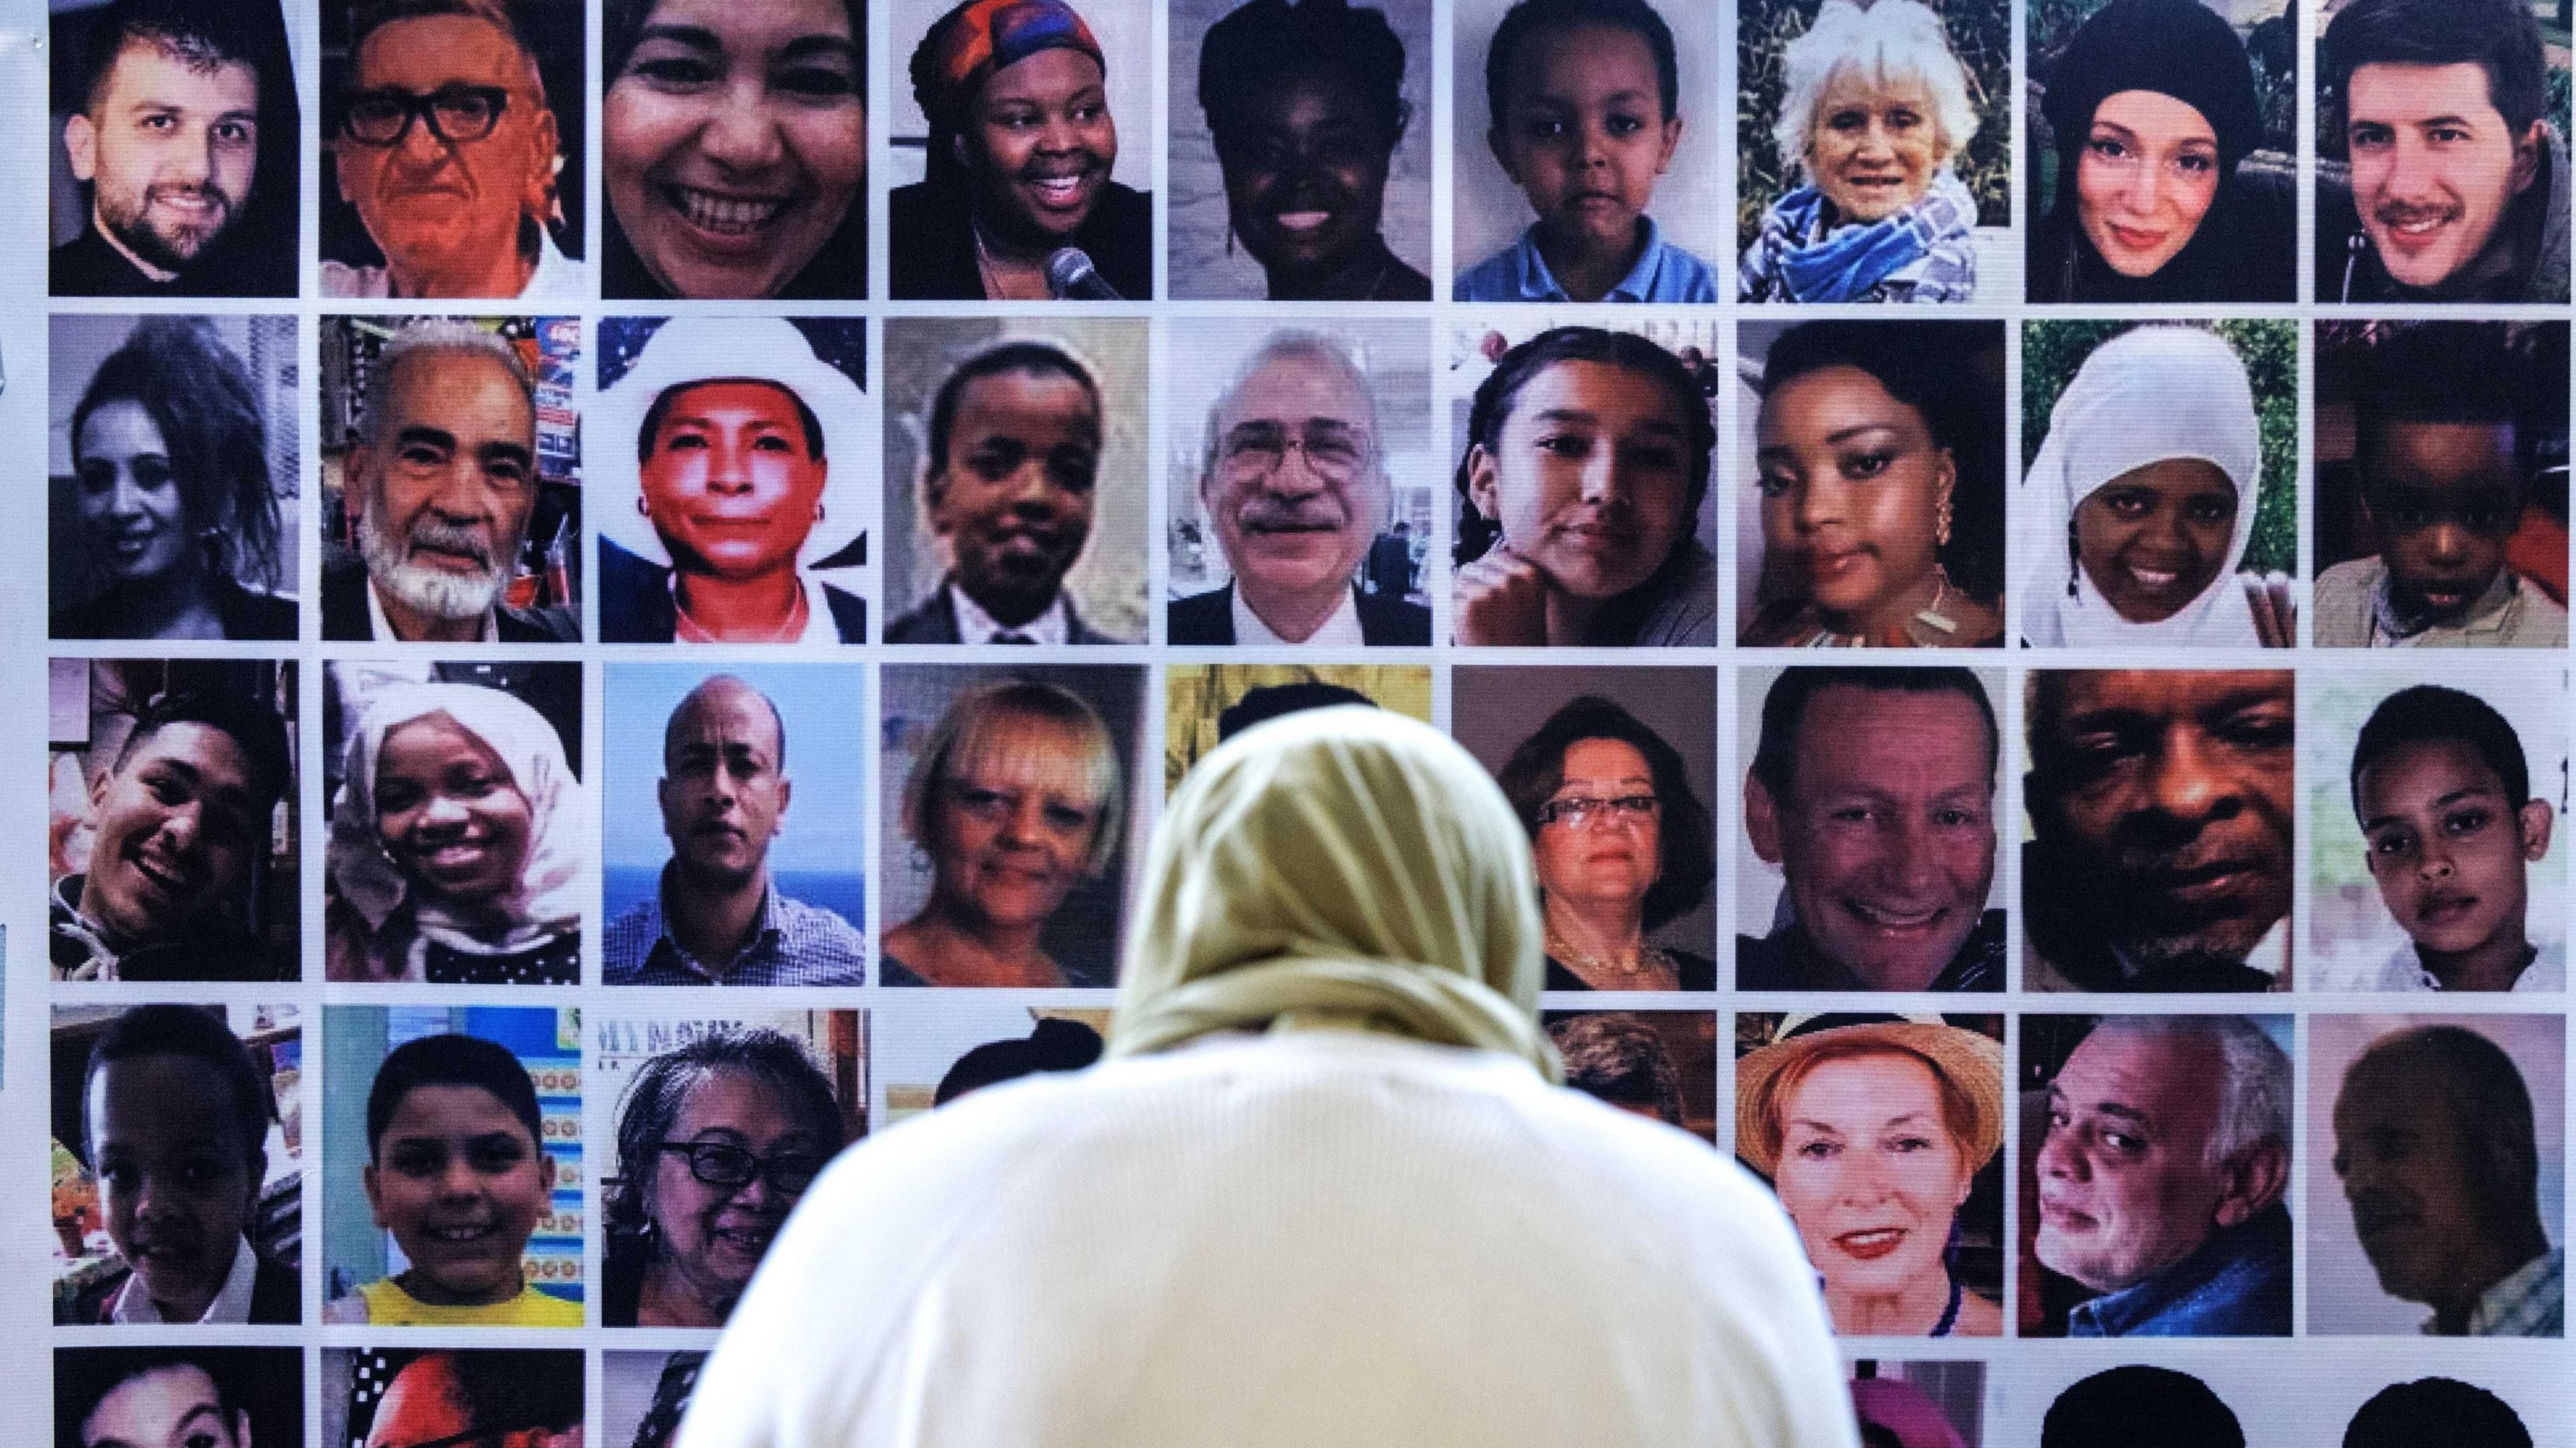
(718, 918)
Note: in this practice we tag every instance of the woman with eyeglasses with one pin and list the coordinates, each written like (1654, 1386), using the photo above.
(1621, 843)
(715, 1143)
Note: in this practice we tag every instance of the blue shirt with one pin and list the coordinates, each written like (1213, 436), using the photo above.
(2236, 1285)
(792, 943)
(1518, 273)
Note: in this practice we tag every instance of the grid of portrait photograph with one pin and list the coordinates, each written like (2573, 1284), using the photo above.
(624, 583)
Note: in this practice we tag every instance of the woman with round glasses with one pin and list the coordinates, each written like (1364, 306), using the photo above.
(1621, 844)
(715, 1143)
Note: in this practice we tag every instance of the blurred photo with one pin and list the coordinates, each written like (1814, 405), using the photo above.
(749, 481)
(166, 510)
(447, 149)
(2160, 1176)
(1583, 98)
(459, 831)
(1293, 485)
(2436, 498)
(166, 857)
(1661, 1065)
(411, 1398)
(1876, 1132)
(645, 1394)
(716, 912)
(2160, 811)
(1877, 462)
(1586, 460)
(2453, 182)
(1018, 201)
(734, 150)
(177, 171)
(2139, 511)
(1205, 705)
(1873, 793)
(196, 1194)
(1313, 133)
(1873, 118)
(200, 1397)
(2170, 131)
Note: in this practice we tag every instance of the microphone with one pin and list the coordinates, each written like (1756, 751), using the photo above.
(1069, 274)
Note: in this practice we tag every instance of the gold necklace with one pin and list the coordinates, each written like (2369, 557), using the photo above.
(1649, 957)
(693, 632)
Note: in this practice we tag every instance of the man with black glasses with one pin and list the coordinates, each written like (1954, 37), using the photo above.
(449, 152)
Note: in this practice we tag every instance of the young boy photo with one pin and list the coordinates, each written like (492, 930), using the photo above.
(458, 1173)
(2448, 425)
(1583, 95)
(2443, 795)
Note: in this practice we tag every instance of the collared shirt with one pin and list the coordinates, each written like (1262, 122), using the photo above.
(2403, 969)
(1342, 629)
(384, 627)
(2530, 1301)
(2355, 611)
(1518, 273)
(557, 277)
(2237, 1284)
(232, 1302)
(974, 626)
(792, 943)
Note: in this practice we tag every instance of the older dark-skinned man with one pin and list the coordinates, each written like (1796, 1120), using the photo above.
(1295, 488)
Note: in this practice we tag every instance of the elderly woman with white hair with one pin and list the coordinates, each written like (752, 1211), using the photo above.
(1875, 109)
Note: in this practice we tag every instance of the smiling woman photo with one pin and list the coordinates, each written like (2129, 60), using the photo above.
(1873, 1130)
(1305, 107)
(2139, 508)
(1020, 154)
(735, 149)
(1876, 110)
(455, 852)
(2153, 111)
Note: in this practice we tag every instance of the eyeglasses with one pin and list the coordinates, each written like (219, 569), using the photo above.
(453, 113)
(732, 1168)
(482, 1437)
(1579, 810)
(1254, 450)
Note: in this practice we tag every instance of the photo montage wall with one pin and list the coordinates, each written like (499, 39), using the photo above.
(624, 582)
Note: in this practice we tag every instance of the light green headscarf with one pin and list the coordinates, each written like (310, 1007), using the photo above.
(1341, 868)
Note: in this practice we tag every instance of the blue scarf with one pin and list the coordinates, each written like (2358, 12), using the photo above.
(1852, 259)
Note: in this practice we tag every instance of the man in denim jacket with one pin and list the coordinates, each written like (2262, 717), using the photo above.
(2161, 1176)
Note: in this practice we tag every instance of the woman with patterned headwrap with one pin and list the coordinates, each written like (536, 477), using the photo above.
(1323, 1190)
(1021, 146)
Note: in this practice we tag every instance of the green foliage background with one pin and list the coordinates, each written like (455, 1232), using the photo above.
(1980, 35)
(2052, 351)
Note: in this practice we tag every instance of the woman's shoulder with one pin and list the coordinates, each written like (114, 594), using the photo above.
(250, 614)
(1979, 1316)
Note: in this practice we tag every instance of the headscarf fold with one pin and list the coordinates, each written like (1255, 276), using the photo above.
(980, 37)
(2146, 396)
(1337, 868)
(547, 900)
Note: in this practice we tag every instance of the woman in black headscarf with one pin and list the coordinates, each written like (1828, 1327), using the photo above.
(2153, 111)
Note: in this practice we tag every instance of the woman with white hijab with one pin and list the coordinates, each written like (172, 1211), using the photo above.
(455, 853)
(2141, 503)
(1323, 1191)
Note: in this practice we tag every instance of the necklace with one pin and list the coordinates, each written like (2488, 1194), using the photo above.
(693, 632)
(1649, 958)
(1929, 615)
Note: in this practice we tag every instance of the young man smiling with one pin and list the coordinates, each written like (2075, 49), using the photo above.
(2458, 186)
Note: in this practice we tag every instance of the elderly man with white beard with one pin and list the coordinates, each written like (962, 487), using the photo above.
(441, 483)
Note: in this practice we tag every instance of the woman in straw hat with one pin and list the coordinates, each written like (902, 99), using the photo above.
(1323, 1190)
(1872, 1129)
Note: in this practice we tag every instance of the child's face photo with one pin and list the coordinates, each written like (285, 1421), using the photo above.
(1875, 145)
(1583, 133)
(173, 1184)
(460, 1183)
(2445, 497)
(2446, 847)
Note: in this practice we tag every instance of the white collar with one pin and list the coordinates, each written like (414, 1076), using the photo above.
(1054, 627)
(1341, 627)
(384, 627)
(231, 1304)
